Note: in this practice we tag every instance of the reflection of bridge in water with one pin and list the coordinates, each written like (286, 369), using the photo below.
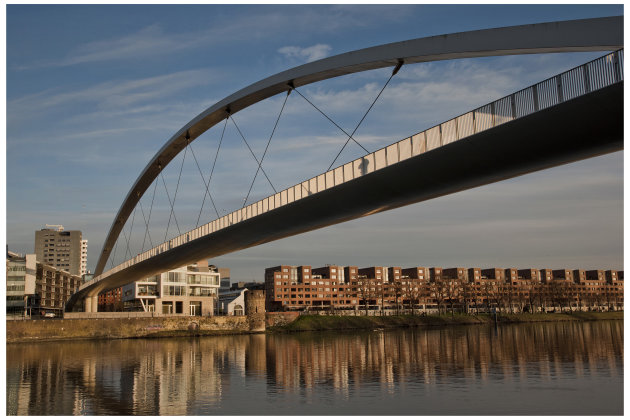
(574, 115)
(265, 374)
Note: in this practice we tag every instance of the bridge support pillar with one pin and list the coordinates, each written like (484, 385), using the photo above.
(91, 304)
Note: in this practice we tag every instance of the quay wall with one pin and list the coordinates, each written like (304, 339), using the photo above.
(111, 327)
(279, 319)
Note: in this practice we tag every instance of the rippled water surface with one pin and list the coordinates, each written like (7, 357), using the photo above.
(547, 368)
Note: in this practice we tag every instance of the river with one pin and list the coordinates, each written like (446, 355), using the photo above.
(561, 368)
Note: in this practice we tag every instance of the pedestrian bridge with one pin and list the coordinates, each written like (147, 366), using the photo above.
(571, 116)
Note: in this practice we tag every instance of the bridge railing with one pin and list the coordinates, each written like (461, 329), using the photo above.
(586, 78)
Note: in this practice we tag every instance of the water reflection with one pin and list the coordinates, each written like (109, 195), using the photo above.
(404, 371)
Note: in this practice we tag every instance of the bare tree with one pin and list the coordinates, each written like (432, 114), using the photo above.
(438, 293)
(468, 294)
(397, 288)
(412, 292)
(608, 298)
(364, 289)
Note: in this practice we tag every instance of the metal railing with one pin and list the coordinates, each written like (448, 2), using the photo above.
(586, 78)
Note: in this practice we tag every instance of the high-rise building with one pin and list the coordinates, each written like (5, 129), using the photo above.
(62, 249)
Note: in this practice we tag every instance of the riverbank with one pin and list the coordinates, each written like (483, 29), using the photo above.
(121, 328)
(334, 322)
(77, 329)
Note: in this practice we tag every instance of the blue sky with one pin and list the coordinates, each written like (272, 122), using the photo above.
(94, 91)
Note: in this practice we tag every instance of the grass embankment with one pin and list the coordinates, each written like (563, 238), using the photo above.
(340, 322)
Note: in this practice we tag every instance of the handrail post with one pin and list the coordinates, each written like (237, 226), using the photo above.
(587, 79)
(535, 96)
(616, 67)
(492, 112)
(513, 106)
(456, 129)
(559, 88)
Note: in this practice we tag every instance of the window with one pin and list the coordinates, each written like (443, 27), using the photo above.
(173, 290)
(167, 307)
(176, 277)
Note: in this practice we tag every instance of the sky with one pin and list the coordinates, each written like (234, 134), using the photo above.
(93, 92)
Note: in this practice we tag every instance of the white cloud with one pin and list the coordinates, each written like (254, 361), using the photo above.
(312, 53)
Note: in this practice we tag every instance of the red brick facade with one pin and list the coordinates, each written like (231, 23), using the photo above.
(290, 288)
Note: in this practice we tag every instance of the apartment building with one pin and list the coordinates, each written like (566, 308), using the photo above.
(563, 274)
(529, 274)
(62, 249)
(54, 287)
(190, 290)
(418, 273)
(111, 300)
(546, 275)
(456, 273)
(34, 288)
(494, 273)
(418, 288)
(301, 287)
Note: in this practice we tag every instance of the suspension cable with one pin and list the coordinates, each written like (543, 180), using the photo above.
(169, 202)
(147, 221)
(147, 226)
(204, 183)
(130, 231)
(181, 167)
(266, 147)
(210, 178)
(253, 155)
(113, 257)
(126, 240)
(330, 119)
(398, 66)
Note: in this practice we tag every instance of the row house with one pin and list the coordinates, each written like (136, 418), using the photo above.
(378, 287)
(457, 273)
(532, 274)
(111, 300)
(417, 273)
(497, 274)
(563, 274)
(377, 273)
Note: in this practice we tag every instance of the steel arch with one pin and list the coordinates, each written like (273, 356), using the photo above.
(598, 34)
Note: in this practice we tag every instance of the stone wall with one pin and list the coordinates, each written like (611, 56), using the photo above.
(277, 319)
(60, 329)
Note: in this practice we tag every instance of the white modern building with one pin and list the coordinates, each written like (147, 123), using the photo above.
(20, 277)
(190, 290)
